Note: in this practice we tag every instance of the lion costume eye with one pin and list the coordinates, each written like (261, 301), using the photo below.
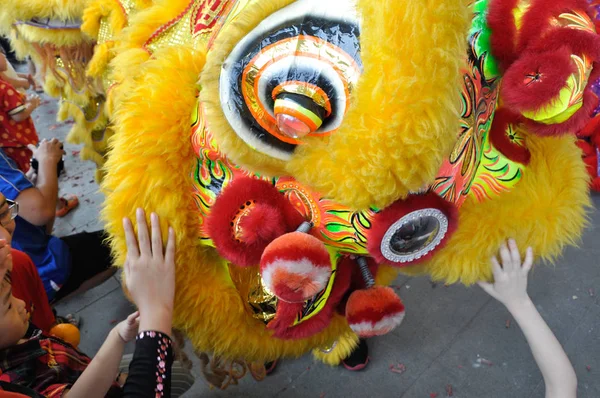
(292, 76)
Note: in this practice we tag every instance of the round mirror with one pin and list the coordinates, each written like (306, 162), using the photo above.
(414, 235)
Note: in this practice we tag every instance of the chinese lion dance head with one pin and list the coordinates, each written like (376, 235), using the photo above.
(307, 151)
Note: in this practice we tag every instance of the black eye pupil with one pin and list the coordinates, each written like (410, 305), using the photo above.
(414, 235)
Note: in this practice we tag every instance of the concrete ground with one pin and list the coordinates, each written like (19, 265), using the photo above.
(452, 338)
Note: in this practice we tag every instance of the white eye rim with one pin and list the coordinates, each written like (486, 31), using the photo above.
(237, 124)
(331, 9)
(394, 257)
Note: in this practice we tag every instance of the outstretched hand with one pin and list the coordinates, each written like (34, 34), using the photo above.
(150, 272)
(128, 328)
(510, 277)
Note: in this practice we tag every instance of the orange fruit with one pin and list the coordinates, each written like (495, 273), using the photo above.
(67, 332)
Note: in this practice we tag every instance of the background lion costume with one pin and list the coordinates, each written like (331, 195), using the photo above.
(305, 152)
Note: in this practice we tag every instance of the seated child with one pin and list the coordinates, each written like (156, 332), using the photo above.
(17, 130)
(35, 364)
(27, 286)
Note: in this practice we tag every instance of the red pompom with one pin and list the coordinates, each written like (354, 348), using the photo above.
(264, 223)
(247, 215)
(384, 221)
(374, 311)
(295, 267)
(536, 79)
(287, 313)
(501, 140)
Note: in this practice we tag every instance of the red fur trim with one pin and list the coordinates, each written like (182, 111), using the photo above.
(520, 89)
(578, 41)
(571, 126)
(587, 148)
(502, 118)
(595, 184)
(536, 20)
(591, 129)
(502, 24)
(591, 164)
(227, 205)
(384, 220)
(595, 137)
(284, 317)
(286, 313)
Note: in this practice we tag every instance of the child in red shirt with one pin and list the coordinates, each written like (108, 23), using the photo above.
(27, 286)
(16, 126)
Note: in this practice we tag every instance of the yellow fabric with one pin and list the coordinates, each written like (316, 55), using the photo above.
(546, 210)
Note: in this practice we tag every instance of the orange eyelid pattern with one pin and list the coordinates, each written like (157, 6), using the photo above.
(298, 46)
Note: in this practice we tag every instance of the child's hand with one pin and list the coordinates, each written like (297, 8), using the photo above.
(128, 329)
(34, 100)
(510, 278)
(48, 152)
(150, 273)
(31, 81)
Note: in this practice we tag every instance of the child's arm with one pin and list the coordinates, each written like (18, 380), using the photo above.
(100, 374)
(510, 288)
(30, 105)
(20, 82)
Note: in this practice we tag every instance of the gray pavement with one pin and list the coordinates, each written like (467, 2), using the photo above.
(452, 337)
